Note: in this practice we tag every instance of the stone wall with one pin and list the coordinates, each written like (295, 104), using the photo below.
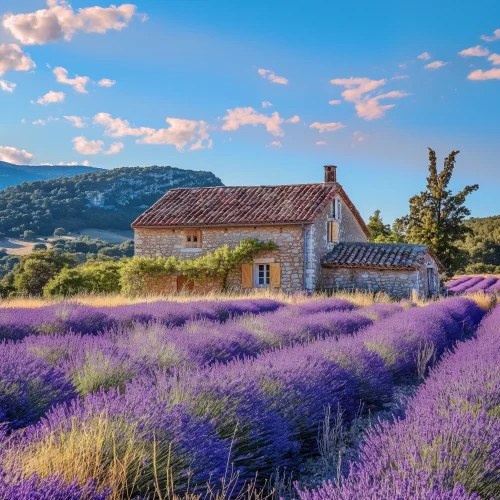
(289, 238)
(398, 284)
(317, 241)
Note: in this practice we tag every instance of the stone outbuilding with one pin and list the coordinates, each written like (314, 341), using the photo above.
(310, 224)
(394, 268)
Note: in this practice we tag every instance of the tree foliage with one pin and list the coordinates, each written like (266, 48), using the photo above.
(36, 269)
(437, 215)
(92, 277)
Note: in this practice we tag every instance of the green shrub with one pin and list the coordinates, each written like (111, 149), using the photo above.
(93, 277)
(59, 231)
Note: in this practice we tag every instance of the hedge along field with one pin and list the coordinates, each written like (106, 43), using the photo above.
(448, 446)
(177, 429)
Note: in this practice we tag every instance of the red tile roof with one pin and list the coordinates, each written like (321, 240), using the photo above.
(246, 205)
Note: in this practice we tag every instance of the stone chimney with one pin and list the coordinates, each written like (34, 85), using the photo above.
(330, 174)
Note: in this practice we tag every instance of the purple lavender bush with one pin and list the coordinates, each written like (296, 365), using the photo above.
(447, 447)
(28, 386)
(51, 488)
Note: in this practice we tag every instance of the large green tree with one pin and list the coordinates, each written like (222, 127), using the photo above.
(379, 232)
(437, 215)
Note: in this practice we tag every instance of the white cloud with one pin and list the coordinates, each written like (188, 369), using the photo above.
(496, 36)
(51, 97)
(479, 74)
(476, 51)
(399, 77)
(334, 102)
(85, 147)
(495, 59)
(12, 58)
(7, 86)
(276, 144)
(358, 137)
(360, 92)
(327, 127)
(402, 65)
(16, 156)
(180, 132)
(293, 119)
(114, 148)
(76, 121)
(320, 143)
(425, 56)
(59, 20)
(272, 77)
(39, 122)
(238, 117)
(266, 104)
(435, 65)
(106, 82)
(78, 83)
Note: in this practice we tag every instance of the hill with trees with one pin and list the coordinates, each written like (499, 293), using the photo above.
(13, 175)
(105, 199)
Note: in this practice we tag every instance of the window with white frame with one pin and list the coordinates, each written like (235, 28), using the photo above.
(262, 275)
(336, 209)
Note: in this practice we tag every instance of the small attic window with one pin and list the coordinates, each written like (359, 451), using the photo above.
(336, 209)
(192, 238)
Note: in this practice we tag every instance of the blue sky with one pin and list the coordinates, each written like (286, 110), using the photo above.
(243, 89)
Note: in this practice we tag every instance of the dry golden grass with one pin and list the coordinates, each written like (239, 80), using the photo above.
(485, 301)
(359, 298)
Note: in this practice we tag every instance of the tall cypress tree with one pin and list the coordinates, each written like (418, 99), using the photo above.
(436, 214)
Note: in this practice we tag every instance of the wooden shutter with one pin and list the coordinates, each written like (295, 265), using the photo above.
(199, 237)
(333, 231)
(246, 276)
(275, 275)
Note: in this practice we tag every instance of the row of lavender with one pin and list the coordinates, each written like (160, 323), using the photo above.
(42, 370)
(448, 446)
(17, 323)
(257, 414)
(472, 284)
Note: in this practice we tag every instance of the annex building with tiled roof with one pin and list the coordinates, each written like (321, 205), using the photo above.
(321, 239)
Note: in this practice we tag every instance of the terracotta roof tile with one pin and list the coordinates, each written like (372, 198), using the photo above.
(377, 256)
(245, 205)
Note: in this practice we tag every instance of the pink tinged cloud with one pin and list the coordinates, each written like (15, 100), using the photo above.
(334, 102)
(180, 132)
(360, 92)
(476, 51)
(85, 147)
(6, 86)
(424, 56)
(479, 74)
(51, 97)
(106, 82)
(327, 127)
(320, 143)
(59, 21)
(358, 137)
(16, 156)
(114, 148)
(266, 104)
(276, 144)
(495, 59)
(12, 58)
(435, 65)
(76, 121)
(496, 36)
(238, 117)
(78, 83)
(272, 77)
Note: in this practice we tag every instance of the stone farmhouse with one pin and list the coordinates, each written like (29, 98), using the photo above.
(321, 239)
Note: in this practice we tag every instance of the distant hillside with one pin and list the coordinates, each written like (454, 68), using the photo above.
(106, 199)
(12, 175)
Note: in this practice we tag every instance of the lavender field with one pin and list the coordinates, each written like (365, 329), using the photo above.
(166, 399)
(472, 284)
